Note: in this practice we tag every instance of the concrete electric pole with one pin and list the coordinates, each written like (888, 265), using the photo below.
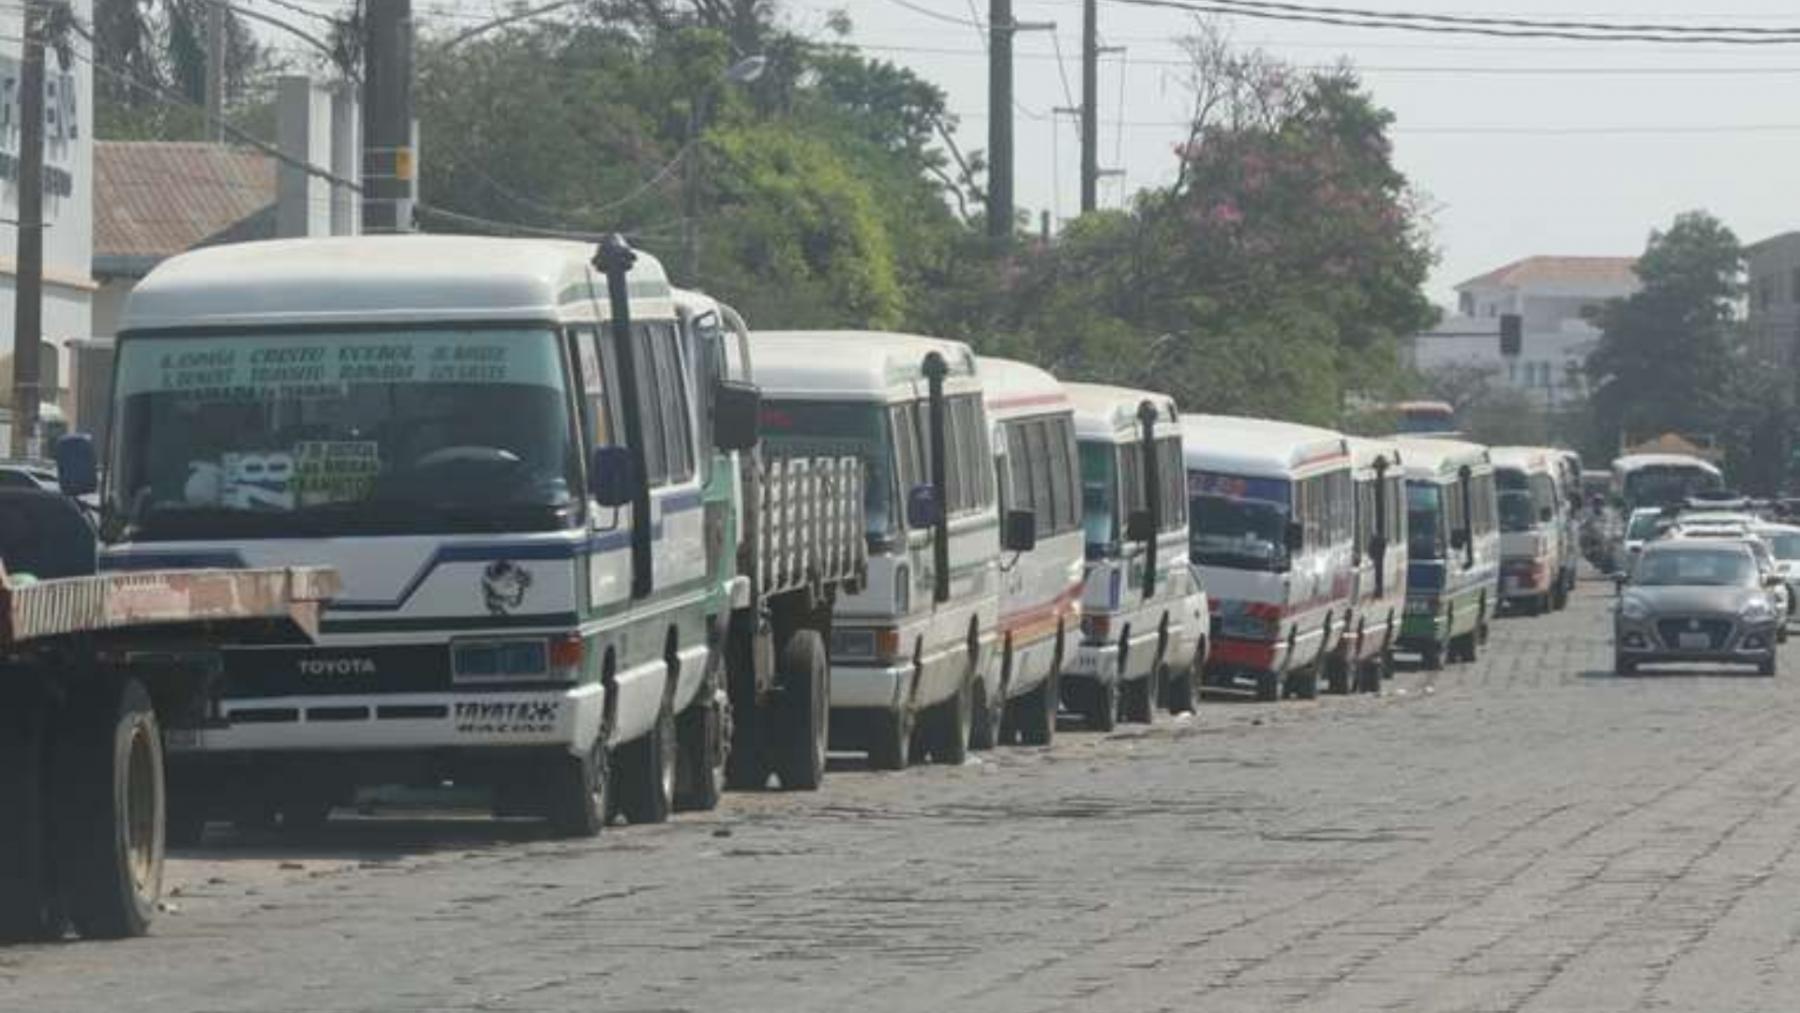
(387, 163)
(28, 293)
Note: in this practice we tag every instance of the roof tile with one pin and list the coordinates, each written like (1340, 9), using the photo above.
(160, 198)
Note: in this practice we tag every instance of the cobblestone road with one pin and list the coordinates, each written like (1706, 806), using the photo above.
(1526, 833)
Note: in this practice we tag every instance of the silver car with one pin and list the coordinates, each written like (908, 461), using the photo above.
(1695, 601)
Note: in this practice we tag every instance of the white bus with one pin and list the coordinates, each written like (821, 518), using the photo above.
(1143, 613)
(1273, 506)
(1378, 597)
(1040, 590)
(1533, 528)
(496, 449)
(1659, 480)
(1453, 539)
(908, 652)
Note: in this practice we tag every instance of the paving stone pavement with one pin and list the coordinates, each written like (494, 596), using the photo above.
(1527, 833)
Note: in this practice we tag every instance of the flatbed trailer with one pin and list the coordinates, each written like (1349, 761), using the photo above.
(94, 671)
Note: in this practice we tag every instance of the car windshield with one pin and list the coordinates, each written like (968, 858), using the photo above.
(1424, 521)
(1785, 544)
(837, 429)
(298, 434)
(1699, 568)
(1643, 526)
(1517, 512)
(1238, 522)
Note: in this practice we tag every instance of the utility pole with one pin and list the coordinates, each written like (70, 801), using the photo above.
(1090, 95)
(1000, 120)
(28, 293)
(387, 162)
(215, 69)
(1001, 27)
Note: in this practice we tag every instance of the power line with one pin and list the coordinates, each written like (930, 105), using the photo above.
(1507, 22)
(1620, 129)
(937, 15)
(1738, 71)
(1223, 7)
(1062, 70)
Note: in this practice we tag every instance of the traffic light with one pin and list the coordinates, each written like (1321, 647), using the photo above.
(1512, 338)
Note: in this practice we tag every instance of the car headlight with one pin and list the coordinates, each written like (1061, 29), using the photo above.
(1757, 610)
(1635, 609)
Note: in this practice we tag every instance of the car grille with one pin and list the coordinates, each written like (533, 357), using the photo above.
(1672, 630)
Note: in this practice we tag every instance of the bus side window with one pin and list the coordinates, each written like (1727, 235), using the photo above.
(1065, 488)
(672, 403)
(599, 420)
(908, 452)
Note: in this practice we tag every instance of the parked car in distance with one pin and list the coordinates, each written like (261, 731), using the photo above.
(1784, 544)
(1695, 600)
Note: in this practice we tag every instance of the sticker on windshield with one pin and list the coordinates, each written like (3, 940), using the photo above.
(335, 471)
(242, 481)
(325, 365)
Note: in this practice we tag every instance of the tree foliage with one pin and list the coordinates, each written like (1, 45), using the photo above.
(1664, 362)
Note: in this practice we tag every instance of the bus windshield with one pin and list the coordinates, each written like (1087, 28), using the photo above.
(840, 429)
(1664, 484)
(1424, 521)
(313, 434)
(1237, 522)
(1517, 513)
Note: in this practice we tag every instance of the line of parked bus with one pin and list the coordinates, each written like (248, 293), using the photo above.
(590, 533)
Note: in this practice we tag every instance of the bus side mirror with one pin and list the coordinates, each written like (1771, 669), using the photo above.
(737, 415)
(1378, 546)
(612, 477)
(1138, 527)
(1546, 515)
(1020, 532)
(77, 473)
(1459, 539)
(922, 507)
(1294, 537)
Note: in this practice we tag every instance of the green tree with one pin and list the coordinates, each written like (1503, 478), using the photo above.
(1664, 359)
(146, 50)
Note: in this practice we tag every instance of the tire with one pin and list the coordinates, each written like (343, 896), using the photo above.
(890, 740)
(1766, 667)
(1304, 683)
(1431, 658)
(1137, 698)
(646, 787)
(578, 790)
(984, 733)
(1268, 687)
(1180, 691)
(803, 714)
(110, 806)
(1624, 666)
(1470, 650)
(28, 908)
(1340, 677)
(701, 734)
(746, 767)
(945, 732)
(1103, 707)
(1034, 714)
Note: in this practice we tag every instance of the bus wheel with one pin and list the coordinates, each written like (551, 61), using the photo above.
(108, 768)
(804, 723)
(1432, 658)
(890, 740)
(1338, 677)
(578, 795)
(27, 904)
(1034, 714)
(1304, 682)
(945, 732)
(1268, 686)
(985, 732)
(1180, 691)
(647, 771)
(1102, 699)
(1137, 698)
(702, 733)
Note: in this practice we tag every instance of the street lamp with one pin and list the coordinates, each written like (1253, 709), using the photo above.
(744, 71)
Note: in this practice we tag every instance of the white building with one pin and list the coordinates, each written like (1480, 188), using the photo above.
(68, 203)
(1552, 296)
(1772, 318)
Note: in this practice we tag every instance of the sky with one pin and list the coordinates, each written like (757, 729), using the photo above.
(1503, 148)
(1518, 147)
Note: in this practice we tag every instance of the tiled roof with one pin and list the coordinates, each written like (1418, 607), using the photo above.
(154, 199)
(1559, 271)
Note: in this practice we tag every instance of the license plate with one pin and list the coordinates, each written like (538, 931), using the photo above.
(1694, 641)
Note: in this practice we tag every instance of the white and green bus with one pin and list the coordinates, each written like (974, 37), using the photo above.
(496, 446)
(1453, 549)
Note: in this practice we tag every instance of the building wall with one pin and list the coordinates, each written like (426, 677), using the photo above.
(1772, 320)
(68, 194)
